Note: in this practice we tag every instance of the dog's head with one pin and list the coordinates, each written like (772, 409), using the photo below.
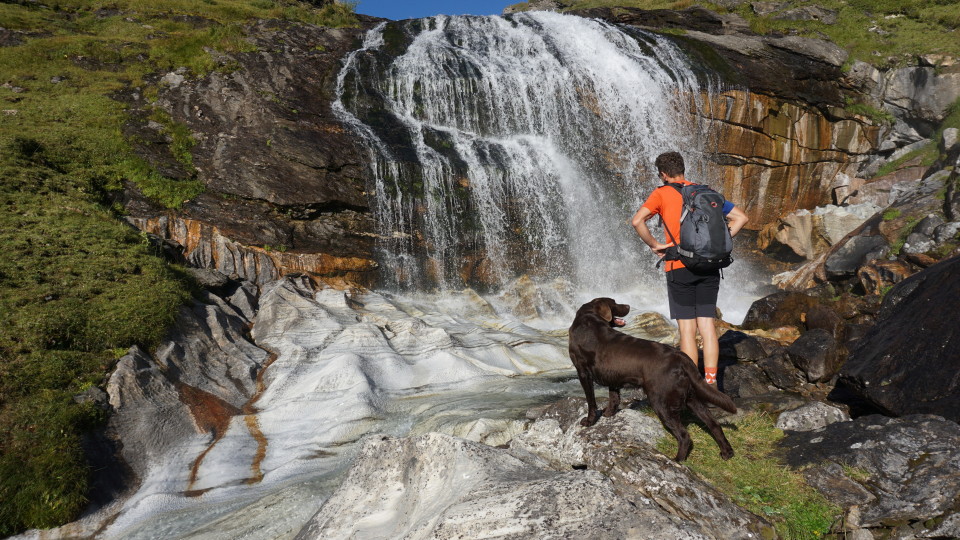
(608, 309)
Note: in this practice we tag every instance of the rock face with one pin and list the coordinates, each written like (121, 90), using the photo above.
(161, 400)
(436, 486)
(620, 448)
(285, 181)
(898, 470)
(784, 141)
(890, 370)
(805, 234)
(233, 250)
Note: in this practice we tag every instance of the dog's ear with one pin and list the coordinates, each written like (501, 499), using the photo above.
(603, 309)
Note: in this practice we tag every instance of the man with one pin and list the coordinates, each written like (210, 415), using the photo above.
(692, 297)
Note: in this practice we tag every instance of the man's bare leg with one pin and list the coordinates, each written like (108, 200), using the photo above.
(688, 338)
(711, 347)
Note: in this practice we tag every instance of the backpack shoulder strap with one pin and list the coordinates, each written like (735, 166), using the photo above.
(677, 186)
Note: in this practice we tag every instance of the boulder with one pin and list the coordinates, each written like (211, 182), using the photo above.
(549, 483)
(824, 318)
(878, 275)
(847, 259)
(888, 368)
(744, 380)
(741, 347)
(808, 13)
(946, 232)
(620, 447)
(806, 234)
(813, 415)
(778, 309)
(781, 372)
(816, 354)
(921, 238)
(443, 487)
(897, 470)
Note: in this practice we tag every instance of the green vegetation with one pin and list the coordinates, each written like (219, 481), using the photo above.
(877, 116)
(891, 213)
(880, 32)
(927, 156)
(905, 231)
(757, 480)
(78, 287)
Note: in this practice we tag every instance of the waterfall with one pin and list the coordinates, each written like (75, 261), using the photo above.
(516, 145)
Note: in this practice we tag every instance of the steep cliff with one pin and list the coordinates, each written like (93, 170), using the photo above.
(285, 183)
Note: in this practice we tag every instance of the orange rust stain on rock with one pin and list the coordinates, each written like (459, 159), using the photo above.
(194, 234)
(210, 414)
(253, 425)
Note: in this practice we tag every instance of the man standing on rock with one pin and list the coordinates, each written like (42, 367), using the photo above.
(692, 296)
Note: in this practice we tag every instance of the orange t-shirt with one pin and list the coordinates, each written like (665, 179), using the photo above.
(667, 203)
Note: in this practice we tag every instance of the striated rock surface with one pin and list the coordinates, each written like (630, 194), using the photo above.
(207, 246)
(437, 486)
(192, 386)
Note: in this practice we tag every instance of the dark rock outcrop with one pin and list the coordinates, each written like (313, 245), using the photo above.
(778, 309)
(815, 353)
(897, 471)
(285, 180)
(888, 368)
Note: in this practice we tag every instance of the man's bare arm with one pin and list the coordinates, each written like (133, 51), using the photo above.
(639, 223)
(736, 220)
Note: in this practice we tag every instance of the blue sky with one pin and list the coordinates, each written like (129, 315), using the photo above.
(409, 9)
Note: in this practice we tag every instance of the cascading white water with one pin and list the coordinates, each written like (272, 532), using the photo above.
(529, 140)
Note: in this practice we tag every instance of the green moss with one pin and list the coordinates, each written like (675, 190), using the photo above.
(927, 155)
(877, 116)
(756, 479)
(904, 233)
(891, 214)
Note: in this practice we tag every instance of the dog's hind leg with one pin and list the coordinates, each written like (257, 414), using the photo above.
(699, 409)
(671, 420)
(586, 381)
(613, 405)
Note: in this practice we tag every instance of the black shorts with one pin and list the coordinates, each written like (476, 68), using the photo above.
(692, 295)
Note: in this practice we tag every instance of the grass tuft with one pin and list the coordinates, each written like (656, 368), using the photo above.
(756, 479)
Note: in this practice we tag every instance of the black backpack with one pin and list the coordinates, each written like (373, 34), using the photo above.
(705, 242)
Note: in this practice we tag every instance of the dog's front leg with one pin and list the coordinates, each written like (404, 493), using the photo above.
(586, 381)
(613, 404)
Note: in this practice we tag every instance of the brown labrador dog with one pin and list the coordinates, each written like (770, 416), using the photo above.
(610, 358)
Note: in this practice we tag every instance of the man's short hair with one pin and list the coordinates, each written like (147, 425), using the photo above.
(670, 164)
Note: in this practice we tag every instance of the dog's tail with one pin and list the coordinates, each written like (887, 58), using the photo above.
(707, 392)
